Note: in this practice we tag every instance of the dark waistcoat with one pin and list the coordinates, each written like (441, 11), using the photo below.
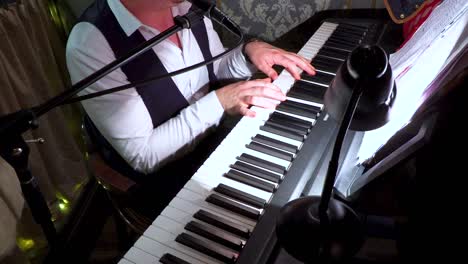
(162, 98)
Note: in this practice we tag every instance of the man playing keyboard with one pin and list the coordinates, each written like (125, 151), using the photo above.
(150, 133)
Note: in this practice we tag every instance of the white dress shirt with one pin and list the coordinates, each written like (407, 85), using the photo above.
(123, 118)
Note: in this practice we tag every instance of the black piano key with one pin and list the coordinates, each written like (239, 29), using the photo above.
(353, 26)
(319, 77)
(304, 95)
(222, 223)
(323, 62)
(326, 61)
(348, 38)
(276, 143)
(338, 45)
(282, 132)
(262, 163)
(171, 259)
(249, 180)
(233, 206)
(306, 125)
(341, 43)
(333, 53)
(349, 35)
(307, 107)
(345, 39)
(215, 235)
(291, 127)
(335, 47)
(290, 120)
(312, 87)
(327, 68)
(341, 39)
(270, 151)
(349, 32)
(342, 53)
(239, 195)
(328, 55)
(256, 171)
(208, 248)
(296, 111)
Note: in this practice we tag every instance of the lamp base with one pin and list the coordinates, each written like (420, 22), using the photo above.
(301, 233)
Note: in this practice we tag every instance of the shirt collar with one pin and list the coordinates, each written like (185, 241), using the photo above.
(129, 23)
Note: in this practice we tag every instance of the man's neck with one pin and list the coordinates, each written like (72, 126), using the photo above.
(156, 14)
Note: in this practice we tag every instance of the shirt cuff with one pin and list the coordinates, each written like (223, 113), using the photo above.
(211, 108)
(242, 65)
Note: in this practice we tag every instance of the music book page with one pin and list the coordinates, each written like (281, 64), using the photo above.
(437, 44)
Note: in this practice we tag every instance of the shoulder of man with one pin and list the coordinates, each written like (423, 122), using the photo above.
(86, 39)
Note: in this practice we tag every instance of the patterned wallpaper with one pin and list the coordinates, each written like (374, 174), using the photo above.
(269, 19)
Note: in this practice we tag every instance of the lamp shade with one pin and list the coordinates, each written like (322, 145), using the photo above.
(369, 65)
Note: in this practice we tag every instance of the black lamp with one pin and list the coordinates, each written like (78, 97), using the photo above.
(360, 98)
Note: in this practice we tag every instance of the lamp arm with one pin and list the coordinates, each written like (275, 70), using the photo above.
(330, 178)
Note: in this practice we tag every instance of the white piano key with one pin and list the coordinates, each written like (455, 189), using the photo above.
(138, 256)
(176, 215)
(236, 149)
(267, 157)
(179, 215)
(168, 239)
(324, 71)
(191, 207)
(176, 228)
(298, 116)
(205, 190)
(227, 154)
(158, 249)
(207, 178)
(315, 82)
(305, 102)
(169, 225)
(293, 142)
(190, 196)
(125, 261)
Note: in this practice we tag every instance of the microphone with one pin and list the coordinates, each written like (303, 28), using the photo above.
(208, 8)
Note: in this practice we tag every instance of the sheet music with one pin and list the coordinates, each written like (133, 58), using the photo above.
(439, 22)
(417, 66)
(431, 49)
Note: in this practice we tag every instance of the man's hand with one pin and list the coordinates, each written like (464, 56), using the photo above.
(236, 98)
(264, 56)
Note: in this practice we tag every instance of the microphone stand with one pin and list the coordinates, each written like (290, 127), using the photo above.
(14, 149)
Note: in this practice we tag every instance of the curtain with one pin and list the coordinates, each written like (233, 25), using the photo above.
(32, 70)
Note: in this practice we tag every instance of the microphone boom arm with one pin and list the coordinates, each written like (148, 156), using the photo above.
(14, 149)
